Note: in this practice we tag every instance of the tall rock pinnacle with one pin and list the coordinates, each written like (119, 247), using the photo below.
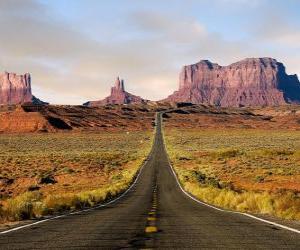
(118, 95)
(119, 86)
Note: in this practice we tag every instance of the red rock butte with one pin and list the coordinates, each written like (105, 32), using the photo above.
(118, 95)
(15, 89)
(250, 82)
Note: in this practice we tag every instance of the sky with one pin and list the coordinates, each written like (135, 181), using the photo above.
(75, 49)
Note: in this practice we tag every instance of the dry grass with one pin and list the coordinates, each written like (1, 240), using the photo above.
(246, 170)
(49, 173)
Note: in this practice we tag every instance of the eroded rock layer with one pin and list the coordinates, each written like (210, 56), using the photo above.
(250, 82)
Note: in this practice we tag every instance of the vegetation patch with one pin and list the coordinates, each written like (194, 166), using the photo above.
(44, 174)
(254, 171)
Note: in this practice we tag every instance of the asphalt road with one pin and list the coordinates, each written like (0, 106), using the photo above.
(155, 213)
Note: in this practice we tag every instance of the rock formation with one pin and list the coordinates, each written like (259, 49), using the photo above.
(118, 95)
(16, 89)
(250, 82)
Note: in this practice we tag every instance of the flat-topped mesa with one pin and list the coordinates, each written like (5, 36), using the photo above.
(250, 82)
(15, 89)
(118, 95)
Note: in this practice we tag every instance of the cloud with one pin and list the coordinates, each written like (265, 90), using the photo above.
(279, 32)
(276, 28)
(62, 59)
(166, 26)
(145, 46)
(28, 30)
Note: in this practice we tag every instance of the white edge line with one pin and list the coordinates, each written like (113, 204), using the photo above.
(220, 209)
(92, 208)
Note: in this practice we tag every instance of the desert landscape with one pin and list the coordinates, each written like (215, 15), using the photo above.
(238, 159)
(149, 126)
(249, 154)
(45, 174)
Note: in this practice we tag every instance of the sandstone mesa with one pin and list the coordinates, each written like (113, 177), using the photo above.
(250, 82)
(16, 89)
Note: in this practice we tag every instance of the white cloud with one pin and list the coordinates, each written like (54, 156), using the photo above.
(148, 50)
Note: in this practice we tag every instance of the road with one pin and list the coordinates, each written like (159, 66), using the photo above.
(155, 213)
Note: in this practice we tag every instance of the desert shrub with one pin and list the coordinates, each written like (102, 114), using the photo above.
(60, 203)
(288, 206)
(90, 198)
(47, 179)
(2, 213)
(22, 206)
(211, 181)
(184, 158)
(226, 153)
(276, 152)
(206, 180)
(68, 170)
(33, 188)
(284, 205)
(227, 185)
(259, 178)
(201, 177)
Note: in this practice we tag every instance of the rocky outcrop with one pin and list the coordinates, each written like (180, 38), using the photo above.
(55, 118)
(16, 89)
(118, 95)
(250, 82)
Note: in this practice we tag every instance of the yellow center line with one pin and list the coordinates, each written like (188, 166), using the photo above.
(151, 218)
(151, 229)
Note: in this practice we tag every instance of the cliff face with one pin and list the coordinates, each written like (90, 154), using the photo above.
(250, 82)
(15, 89)
(118, 95)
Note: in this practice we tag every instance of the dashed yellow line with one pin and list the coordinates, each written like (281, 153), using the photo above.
(151, 229)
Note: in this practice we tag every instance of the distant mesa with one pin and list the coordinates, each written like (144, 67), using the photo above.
(250, 82)
(118, 95)
(16, 89)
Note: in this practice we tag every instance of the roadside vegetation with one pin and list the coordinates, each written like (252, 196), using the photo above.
(43, 174)
(256, 171)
